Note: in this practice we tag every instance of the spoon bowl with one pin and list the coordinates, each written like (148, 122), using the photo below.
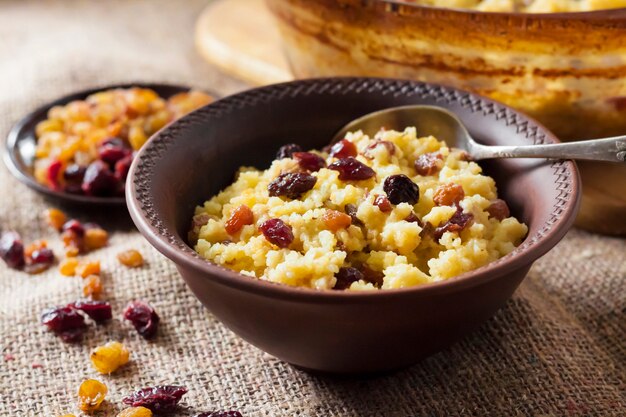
(427, 120)
(445, 125)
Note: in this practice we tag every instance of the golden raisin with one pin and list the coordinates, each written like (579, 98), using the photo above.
(240, 217)
(107, 358)
(95, 238)
(68, 267)
(448, 194)
(55, 218)
(72, 251)
(498, 209)
(68, 415)
(92, 287)
(137, 137)
(86, 268)
(429, 164)
(48, 125)
(183, 103)
(131, 258)
(91, 394)
(336, 220)
(135, 412)
(138, 100)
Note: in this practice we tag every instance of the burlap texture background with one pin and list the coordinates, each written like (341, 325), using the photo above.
(557, 349)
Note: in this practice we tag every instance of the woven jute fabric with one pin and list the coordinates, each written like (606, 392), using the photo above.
(558, 347)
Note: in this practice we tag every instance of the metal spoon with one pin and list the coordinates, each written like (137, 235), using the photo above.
(446, 126)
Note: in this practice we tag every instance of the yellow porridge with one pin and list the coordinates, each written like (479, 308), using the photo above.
(391, 211)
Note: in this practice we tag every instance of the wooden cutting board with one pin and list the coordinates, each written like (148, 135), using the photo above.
(241, 38)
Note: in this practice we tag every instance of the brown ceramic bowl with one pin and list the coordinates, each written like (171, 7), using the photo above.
(332, 331)
(567, 70)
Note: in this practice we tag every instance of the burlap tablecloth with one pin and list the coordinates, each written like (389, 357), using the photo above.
(558, 348)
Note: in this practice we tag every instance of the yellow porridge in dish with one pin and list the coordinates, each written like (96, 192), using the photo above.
(526, 6)
(391, 211)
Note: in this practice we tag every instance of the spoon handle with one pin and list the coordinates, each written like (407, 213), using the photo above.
(609, 149)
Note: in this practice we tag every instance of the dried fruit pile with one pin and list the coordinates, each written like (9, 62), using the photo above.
(87, 146)
(70, 322)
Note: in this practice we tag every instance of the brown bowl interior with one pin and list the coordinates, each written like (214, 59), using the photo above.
(195, 157)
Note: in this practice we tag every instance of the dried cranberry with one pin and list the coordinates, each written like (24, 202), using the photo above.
(382, 203)
(12, 249)
(372, 276)
(114, 149)
(73, 176)
(277, 232)
(346, 276)
(498, 209)
(72, 335)
(351, 169)
(40, 260)
(286, 151)
(459, 221)
(291, 185)
(111, 155)
(74, 173)
(429, 163)
(161, 398)
(75, 226)
(369, 154)
(53, 173)
(220, 414)
(98, 311)
(122, 167)
(66, 322)
(143, 317)
(400, 189)
(99, 180)
(343, 149)
(309, 161)
(351, 211)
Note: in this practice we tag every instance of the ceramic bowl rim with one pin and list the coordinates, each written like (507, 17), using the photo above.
(521, 257)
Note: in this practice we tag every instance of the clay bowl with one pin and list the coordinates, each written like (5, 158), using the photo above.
(332, 331)
(20, 144)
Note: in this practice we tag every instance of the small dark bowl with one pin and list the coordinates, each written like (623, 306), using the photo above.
(334, 331)
(19, 155)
